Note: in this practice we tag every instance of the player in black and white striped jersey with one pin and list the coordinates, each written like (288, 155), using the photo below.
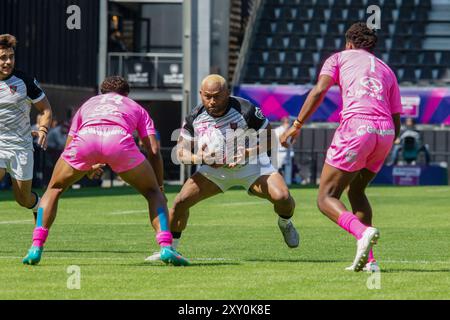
(217, 135)
(18, 92)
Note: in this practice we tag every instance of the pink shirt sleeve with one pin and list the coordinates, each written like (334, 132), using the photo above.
(331, 67)
(145, 126)
(395, 98)
(76, 123)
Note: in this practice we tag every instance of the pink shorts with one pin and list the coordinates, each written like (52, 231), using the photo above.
(361, 143)
(110, 145)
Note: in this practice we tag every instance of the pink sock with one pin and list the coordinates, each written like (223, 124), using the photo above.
(164, 238)
(39, 236)
(350, 223)
(371, 257)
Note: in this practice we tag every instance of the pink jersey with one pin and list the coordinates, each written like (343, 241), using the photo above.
(368, 86)
(112, 110)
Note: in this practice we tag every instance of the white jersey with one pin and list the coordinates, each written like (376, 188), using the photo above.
(17, 93)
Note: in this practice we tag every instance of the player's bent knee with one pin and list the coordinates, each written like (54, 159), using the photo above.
(282, 196)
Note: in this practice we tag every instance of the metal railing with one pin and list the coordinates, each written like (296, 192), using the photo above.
(148, 70)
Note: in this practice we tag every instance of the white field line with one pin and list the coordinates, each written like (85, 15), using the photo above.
(16, 222)
(218, 259)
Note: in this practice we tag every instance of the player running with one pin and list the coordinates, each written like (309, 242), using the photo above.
(370, 122)
(102, 133)
(212, 121)
(17, 92)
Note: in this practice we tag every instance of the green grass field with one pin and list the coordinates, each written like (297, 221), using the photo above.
(236, 249)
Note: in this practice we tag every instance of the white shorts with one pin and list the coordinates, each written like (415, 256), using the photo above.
(244, 176)
(18, 163)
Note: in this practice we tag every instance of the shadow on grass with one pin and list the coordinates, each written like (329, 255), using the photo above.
(94, 251)
(193, 264)
(399, 270)
(296, 260)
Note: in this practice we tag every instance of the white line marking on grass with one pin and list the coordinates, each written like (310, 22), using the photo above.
(127, 212)
(229, 204)
(16, 222)
(213, 259)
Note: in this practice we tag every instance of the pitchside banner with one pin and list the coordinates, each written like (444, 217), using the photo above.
(426, 105)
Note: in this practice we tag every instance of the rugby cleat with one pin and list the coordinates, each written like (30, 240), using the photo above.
(170, 255)
(34, 255)
(290, 234)
(371, 266)
(156, 256)
(364, 245)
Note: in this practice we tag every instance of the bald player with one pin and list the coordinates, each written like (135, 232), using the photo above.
(208, 138)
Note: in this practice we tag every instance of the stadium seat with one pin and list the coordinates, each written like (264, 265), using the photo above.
(421, 15)
(294, 42)
(398, 43)
(278, 42)
(256, 57)
(412, 58)
(425, 4)
(357, 3)
(266, 27)
(303, 14)
(307, 58)
(405, 14)
(354, 14)
(288, 14)
(253, 72)
(333, 28)
(445, 58)
(292, 57)
(311, 43)
(415, 43)
(284, 27)
(426, 74)
(429, 58)
(340, 3)
(322, 3)
(298, 27)
(386, 17)
(318, 14)
(418, 29)
(409, 75)
(260, 42)
(315, 28)
(274, 57)
(337, 14)
(443, 74)
(329, 43)
(401, 28)
(286, 74)
(303, 75)
(269, 74)
(395, 58)
(389, 5)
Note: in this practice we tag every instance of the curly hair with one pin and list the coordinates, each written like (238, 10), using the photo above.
(362, 36)
(7, 41)
(115, 84)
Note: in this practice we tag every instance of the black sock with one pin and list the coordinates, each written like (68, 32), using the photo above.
(176, 235)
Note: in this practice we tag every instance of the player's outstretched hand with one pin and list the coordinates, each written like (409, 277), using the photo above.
(96, 171)
(41, 135)
(289, 136)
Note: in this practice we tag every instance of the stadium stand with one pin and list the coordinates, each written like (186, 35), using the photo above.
(414, 39)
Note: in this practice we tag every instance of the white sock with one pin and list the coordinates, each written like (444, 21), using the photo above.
(176, 243)
(283, 222)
